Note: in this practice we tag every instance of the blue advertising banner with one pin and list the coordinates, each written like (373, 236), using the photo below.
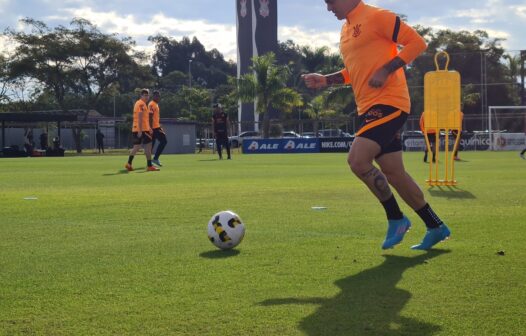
(266, 146)
(335, 145)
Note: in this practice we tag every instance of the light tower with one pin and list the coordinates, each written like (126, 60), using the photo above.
(257, 34)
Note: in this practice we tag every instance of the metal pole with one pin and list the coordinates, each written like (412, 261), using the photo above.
(3, 134)
(490, 131)
(482, 111)
(523, 59)
(190, 73)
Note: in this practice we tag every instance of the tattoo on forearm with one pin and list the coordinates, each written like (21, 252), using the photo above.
(395, 64)
(335, 78)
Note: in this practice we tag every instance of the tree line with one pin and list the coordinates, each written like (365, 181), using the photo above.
(79, 67)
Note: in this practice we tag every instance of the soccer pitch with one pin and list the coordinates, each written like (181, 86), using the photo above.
(104, 252)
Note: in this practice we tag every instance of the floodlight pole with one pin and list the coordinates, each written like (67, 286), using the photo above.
(190, 73)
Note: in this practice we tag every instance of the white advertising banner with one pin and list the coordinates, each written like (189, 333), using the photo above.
(509, 141)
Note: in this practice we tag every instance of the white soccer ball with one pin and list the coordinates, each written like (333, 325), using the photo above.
(226, 230)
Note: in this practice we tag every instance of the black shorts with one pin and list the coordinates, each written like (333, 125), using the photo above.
(382, 124)
(431, 137)
(144, 139)
(158, 133)
(222, 139)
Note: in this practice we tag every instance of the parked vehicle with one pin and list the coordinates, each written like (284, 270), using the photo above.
(311, 135)
(205, 143)
(290, 134)
(332, 133)
(237, 140)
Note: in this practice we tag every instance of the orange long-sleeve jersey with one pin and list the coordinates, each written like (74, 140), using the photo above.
(369, 40)
(141, 122)
(153, 107)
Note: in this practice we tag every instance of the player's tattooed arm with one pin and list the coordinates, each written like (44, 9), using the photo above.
(335, 78)
(380, 76)
(395, 64)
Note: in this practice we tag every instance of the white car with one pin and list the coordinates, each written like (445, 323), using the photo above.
(290, 134)
(311, 135)
(237, 140)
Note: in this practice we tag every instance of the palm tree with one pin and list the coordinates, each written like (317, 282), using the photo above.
(330, 103)
(314, 60)
(266, 85)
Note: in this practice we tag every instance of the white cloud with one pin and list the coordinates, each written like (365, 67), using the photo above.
(212, 35)
(310, 37)
(6, 47)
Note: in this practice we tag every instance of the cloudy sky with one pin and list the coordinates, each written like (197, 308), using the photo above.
(307, 22)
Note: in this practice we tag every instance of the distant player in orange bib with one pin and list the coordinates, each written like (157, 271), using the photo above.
(369, 43)
(141, 132)
(158, 132)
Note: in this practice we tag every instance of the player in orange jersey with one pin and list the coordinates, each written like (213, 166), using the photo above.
(158, 132)
(369, 43)
(141, 131)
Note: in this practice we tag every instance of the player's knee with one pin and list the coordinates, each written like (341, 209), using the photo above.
(358, 167)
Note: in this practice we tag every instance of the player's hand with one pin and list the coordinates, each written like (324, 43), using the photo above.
(379, 78)
(139, 134)
(314, 80)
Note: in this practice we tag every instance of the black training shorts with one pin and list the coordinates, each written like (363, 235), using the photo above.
(382, 124)
(144, 139)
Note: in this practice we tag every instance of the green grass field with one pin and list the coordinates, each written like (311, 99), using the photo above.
(105, 252)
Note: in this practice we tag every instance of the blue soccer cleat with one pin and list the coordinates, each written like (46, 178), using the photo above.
(433, 237)
(396, 231)
(157, 162)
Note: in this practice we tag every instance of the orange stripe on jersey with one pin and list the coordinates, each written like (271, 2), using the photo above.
(368, 41)
(141, 123)
(379, 122)
(153, 107)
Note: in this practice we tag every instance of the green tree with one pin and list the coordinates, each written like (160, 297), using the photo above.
(471, 53)
(4, 79)
(208, 68)
(77, 65)
(267, 86)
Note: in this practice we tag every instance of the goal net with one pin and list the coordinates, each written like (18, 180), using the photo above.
(507, 127)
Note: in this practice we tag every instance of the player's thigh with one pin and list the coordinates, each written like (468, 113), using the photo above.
(363, 150)
(391, 164)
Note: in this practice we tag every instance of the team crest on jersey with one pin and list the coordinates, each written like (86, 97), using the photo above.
(357, 30)
(264, 9)
(243, 9)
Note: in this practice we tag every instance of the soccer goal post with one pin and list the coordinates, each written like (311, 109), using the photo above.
(506, 127)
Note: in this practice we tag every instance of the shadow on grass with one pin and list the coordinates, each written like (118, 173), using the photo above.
(219, 254)
(208, 160)
(369, 303)
(120, 172)
(450, 192)
(140, 170)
